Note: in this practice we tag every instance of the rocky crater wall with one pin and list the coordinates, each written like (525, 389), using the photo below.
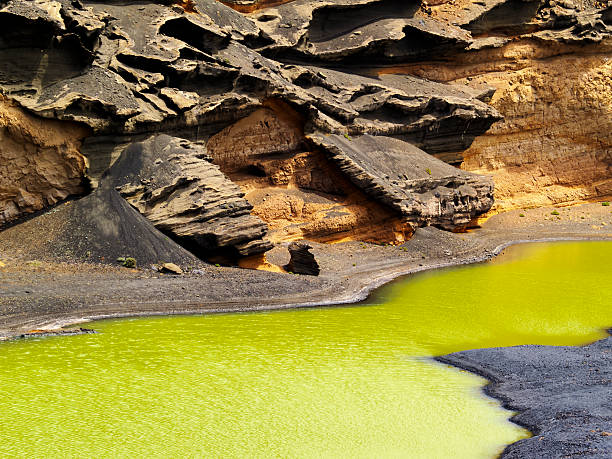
(263, 122)
(40, 162)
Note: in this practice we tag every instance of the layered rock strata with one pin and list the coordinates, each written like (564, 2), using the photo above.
(424, 190)
(40, 162)
(549, 64)
(198, 70)
(305, 105)
(294, 187)
(543, 65)
(172, 183)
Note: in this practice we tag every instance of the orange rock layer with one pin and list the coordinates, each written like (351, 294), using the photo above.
(554, 145)
(40, 162)
(295, 189)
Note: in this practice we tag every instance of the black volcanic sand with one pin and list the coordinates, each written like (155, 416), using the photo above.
(563, 394)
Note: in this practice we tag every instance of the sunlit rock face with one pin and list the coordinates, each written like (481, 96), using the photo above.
(328, 120)
(40, 162)
(203, 71)
(555, 144)
(549, 65)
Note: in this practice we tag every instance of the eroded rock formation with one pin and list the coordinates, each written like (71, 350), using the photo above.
(424, 190)
(40, 162)
(330, 117)
(302, 261)
(172, 183)
(549, 64)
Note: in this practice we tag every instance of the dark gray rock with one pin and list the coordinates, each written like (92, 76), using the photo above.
(423, 189)
(562, 395)
(103, 227)
(302, 261)
(356, 31)
(172, 182)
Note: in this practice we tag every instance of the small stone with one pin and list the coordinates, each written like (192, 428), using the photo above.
(170, 268)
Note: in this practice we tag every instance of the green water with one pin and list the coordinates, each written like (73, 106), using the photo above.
(334, 382)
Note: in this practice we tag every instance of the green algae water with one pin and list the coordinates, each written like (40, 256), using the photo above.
(335, 382)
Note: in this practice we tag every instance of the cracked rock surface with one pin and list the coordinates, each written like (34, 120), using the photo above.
(204, 71)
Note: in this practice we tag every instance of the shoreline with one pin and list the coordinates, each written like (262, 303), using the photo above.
(52, 297)
(353, 299)
(563, 421)
(342, 283)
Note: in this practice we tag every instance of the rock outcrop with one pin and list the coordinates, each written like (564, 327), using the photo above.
(424, 190)
(549, 64)
(331, 117)
(302, 261)
(40, 162)
(172, 183)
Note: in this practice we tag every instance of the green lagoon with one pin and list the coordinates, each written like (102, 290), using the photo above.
(338, 382)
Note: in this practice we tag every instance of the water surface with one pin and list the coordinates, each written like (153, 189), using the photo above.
(335, 382)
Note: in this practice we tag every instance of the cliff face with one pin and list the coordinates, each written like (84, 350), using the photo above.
(549, 64)
(327, 120)
(40, 163)
(555, 143)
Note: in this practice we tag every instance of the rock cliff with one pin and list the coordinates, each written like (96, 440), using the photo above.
(328, 120)
(40, 161)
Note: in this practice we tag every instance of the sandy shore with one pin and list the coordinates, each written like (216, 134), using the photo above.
(49, 293)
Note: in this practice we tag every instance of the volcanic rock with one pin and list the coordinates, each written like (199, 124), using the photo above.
(172, 183)
(270, 95)
(302, 261)
(562, 394)
(424, 190)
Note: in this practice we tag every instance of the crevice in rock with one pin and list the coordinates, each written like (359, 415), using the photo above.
(185, 30)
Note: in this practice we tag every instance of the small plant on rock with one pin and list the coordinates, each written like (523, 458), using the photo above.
(554, 212)
(128, 262)
(521, 215)
(605, 203)
(428, 170)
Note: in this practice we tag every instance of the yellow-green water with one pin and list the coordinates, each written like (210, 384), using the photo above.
(334, 382)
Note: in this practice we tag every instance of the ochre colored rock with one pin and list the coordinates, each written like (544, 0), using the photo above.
(40, 162)
(170, 268)
(327, 120)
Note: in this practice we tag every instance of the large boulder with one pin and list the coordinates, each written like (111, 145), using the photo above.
(172, 182)
(423, 189)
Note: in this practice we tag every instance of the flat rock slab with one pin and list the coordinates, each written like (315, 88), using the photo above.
(423, 189)
(563, 395)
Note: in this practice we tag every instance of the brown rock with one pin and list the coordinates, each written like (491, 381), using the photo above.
(40, 162)
(171, 182)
